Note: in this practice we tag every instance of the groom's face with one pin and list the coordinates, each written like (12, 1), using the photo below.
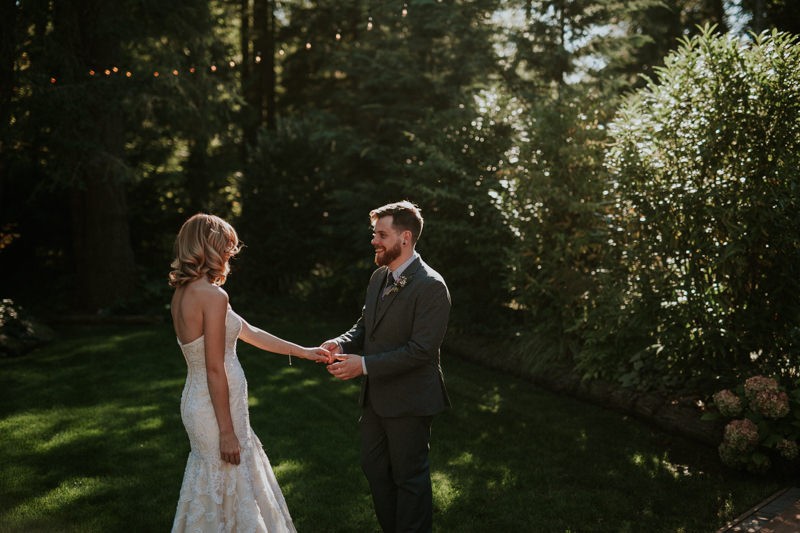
(386, 242)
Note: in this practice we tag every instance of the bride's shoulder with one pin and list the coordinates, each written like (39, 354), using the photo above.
(206, 292)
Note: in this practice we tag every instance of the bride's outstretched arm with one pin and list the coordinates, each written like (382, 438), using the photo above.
(269, 342)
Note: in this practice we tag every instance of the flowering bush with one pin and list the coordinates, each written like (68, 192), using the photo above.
(756, 384)
(767, 420)
(728, 403)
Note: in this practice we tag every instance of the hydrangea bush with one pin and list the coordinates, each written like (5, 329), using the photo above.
(764, 424)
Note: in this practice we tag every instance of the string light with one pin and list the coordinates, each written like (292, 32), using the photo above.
(232, 63)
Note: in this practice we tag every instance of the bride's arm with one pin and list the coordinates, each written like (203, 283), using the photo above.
(215, 309)
(269, 342)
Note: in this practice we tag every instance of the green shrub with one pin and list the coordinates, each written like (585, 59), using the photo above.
(706, 220)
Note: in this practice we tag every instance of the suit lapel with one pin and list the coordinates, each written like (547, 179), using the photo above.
(385, 303)
(374, 296)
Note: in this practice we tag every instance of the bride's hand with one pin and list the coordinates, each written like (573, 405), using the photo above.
(318, 355)
(229, 447)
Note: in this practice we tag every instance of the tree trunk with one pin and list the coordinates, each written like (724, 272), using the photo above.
(105, 272)
(8, 14)
(103, 258)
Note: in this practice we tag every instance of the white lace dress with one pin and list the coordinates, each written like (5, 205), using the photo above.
(217, 496)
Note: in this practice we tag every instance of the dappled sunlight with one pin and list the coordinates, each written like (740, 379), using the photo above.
(491, 401)
(445, 491)
(68, 492)
(465, 459)
(654, 466)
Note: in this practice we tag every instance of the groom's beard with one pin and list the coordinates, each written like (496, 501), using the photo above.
(388, 255)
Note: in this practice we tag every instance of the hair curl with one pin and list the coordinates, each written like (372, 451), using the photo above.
(203, 248)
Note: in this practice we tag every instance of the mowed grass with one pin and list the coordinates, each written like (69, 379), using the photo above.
(91, 440)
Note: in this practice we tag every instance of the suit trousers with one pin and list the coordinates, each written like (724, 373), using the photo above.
(394, 458)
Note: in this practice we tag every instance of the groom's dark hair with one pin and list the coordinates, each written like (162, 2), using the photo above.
(405, 216)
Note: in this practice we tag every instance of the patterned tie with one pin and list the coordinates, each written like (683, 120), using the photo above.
(388, 287)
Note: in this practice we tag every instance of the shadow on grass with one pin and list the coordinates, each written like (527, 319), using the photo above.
(515, 458)
(92, 441)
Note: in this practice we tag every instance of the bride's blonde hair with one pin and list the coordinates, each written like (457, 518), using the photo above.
(203, 247)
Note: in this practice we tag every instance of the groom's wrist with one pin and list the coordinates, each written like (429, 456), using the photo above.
(363, 365)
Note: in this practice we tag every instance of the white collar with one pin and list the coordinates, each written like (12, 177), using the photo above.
(396, 273)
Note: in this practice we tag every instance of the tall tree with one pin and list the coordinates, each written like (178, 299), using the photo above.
(101, 103)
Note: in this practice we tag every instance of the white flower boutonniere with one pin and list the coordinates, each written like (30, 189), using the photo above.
(399, 284)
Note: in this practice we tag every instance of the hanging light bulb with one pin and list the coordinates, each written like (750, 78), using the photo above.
(53, 80)
(213, 68)
(339, 35)
(232, 63)
(308, 46)
(191, 70)
(128, 74)
(175, 72)
(369, 24)
(258, 58)
(91, 73)
(155, 74)
(107, 72)
(115, 70)
(404, 12)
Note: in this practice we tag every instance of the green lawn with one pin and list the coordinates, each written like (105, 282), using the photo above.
(91, 440)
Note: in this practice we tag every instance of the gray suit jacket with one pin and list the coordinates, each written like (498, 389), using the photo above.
(400, 337)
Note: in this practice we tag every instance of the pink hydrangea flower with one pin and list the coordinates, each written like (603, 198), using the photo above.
(756, 384)
(728, 404)
(772, 403)
(788, 449)
(741, 435)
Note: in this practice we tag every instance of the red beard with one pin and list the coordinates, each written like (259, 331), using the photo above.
(388, 255)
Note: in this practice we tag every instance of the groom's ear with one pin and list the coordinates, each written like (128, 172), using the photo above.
(407, 237)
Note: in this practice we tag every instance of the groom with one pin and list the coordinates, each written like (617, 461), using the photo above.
(399, 333)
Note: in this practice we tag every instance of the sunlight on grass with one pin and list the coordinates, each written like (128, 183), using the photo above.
(655, 466)
(465, 459)
(445, 493)
(92, 423)
(491, 401)
(66, 493)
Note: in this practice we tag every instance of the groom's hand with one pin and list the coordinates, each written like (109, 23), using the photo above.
(348, 366)
(333, 347)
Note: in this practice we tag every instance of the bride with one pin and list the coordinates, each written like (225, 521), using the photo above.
(228, 484)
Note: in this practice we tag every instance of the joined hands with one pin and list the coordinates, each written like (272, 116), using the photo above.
(346, 366)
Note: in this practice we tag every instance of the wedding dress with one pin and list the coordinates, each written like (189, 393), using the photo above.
(215, 495)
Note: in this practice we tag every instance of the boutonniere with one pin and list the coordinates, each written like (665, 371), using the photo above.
(399, 284)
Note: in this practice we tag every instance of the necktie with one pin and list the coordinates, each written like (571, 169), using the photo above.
(389, 284)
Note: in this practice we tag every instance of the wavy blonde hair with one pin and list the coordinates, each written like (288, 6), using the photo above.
(204, 247)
